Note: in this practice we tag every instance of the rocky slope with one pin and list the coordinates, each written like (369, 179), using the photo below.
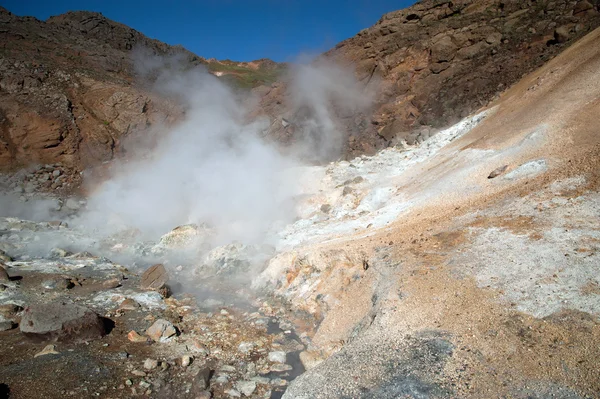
(70, 92)
(437, 61)
(462, 265)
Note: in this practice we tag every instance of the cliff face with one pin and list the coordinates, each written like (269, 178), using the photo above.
(68, 92)
(437, 61)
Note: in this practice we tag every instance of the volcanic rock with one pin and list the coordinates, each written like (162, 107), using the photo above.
(161, 330)
(154, 278)
(62, 322)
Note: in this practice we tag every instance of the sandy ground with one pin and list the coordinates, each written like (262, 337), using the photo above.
(452, 284)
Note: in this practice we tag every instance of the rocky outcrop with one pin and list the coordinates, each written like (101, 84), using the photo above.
(69, 91)
(438, 61)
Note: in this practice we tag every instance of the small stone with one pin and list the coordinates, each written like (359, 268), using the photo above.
(246, 387)
(133, 336)
(2, 287)
(56, 173)
(4, 275)
(154, 278)
(245, 347)
(161, 330)
(202, 379)
(203, 395)
(150, 364)
(280, 367)
(128, 383)
(498, 171)
(139, 373)
(277, 357)
(112, 283)
(73, 204)
(144, 384)
(233, 393)
(222, 379)
(325, 208)
(48, 350)
(6, 325)
(129, 304)
(59, 253)
(186, 360)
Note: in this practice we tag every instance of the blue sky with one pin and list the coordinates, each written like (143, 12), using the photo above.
(241, 30)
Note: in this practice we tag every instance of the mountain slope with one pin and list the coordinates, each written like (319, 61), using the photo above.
(437, 61)
(69, 93)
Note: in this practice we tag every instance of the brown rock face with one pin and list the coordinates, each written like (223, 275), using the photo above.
(69, 92)
(437, 61)
(62, 322)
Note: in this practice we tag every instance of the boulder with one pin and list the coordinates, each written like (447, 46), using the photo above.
(62, 322)
(154, 278)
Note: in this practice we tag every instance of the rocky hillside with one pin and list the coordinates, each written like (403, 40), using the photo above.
(68, 88)
(437, 61)
(68, 92)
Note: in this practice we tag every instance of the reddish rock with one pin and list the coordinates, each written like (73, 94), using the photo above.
(133, 336)
(112, 283)
(129, 304)
(62, 322)
(154, 278)
(161, 330)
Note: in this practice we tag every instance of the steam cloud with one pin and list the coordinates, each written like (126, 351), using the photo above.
(214, 167)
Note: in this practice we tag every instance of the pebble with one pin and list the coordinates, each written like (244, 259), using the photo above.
(139, 373)
(246, 387)
(129, 304)
(48, 350)
(128, 383)
(281, 367)
(277, 357)
(233, 393)
(150, 364)
(144, 384)
(56, 173)
(73, 204)
(112, 283)
(133, 336)
(245, 347)
(186, 360)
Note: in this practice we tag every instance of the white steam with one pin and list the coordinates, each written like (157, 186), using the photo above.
(214, 167)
